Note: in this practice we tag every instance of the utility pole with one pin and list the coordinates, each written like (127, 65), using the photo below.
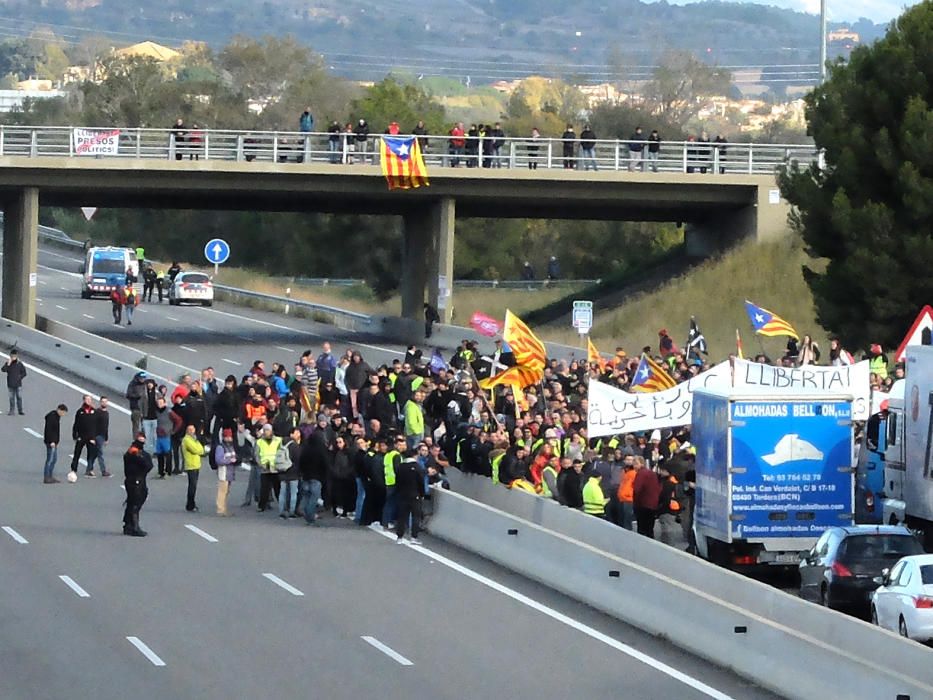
(822, 41)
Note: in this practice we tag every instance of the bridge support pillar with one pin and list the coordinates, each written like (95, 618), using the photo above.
(20, 249)
(441, 264)
(763, 220)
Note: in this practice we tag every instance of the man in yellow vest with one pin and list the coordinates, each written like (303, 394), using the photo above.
(391, 462)
(594, 502)
(266, 448)
(414, 420)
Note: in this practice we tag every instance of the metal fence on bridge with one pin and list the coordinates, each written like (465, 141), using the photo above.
(699, 157)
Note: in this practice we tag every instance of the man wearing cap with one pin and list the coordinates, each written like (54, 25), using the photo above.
(136, 464)
(266, 447)
(225, 456)
(594, 502)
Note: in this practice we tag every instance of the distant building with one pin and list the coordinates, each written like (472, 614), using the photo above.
(844, 34)
(149, 49)
(14, 99)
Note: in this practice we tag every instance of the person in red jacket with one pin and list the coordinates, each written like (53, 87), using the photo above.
(645, 497)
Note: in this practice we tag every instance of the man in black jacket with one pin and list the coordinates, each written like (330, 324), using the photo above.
(15, 373)
(136, 464)
(409, 490)
(135, 393)
(51, 436)
(102, 436)
(313, 461)
(84, 432)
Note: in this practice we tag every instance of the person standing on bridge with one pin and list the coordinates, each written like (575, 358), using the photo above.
(569, 140)
(306, 121)
(177, 138)
(588, 147)
(15, 373)
(636, 150)
(654, 149)
(136, 464)
(361, 133)
(533, 146)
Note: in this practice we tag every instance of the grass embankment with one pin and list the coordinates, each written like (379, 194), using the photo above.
(767, 274)
(491, 301)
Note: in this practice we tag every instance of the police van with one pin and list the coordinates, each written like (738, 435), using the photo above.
(105, 270)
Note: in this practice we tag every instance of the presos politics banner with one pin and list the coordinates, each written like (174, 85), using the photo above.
(96, 142)
(614, 411)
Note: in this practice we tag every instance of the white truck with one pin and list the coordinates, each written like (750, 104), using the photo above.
(773, 472)
(909, 456)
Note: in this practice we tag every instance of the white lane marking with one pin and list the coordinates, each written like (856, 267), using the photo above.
(280, 327)
(171, 318)
(59, 306)
(185, 347)
(141, 310)
(33, 433)
(43, 282)
(205, 328)
(64, 289)
(61, 272)
(42, 373)
(151, 337)
(388, 651)
(146, 651)
(81, 460)
(14, 534)
(39, 300)
(63, 257)
(279, 582)
(200, 533)
(70, 582)
(232, 362)
(569, 621)
(284, 349)
(88, 316)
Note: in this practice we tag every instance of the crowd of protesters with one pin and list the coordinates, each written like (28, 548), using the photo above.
(367, 442)
(476, 146)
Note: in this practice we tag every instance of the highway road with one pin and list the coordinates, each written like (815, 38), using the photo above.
(228, 337)
(254, 606)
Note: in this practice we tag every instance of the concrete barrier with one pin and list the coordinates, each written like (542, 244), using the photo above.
(341, 318)
(159, 368)
(101, 368)
(788, 645)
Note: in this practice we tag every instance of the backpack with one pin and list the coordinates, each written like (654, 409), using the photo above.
(283, 460)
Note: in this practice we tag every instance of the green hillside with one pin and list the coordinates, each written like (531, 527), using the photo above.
(768, 274)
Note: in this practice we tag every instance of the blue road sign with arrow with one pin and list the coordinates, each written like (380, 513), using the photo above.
(217, 251)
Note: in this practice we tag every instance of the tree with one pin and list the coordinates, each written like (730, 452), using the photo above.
(679, 80)
(869, 211)
(390, 101)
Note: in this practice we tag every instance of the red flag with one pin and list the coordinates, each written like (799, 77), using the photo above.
(485, 325)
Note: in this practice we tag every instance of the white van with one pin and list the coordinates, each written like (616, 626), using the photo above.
(105, 270)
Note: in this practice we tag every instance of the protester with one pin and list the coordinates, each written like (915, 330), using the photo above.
(192, 451)
(51, 436)
(15, 372)
(136, 465)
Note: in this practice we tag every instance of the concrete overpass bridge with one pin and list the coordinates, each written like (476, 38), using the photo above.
(736, 196)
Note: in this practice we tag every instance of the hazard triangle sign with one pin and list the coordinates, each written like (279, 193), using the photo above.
(920, 333)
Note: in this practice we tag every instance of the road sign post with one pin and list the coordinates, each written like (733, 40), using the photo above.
(217, 251)
(582, 317)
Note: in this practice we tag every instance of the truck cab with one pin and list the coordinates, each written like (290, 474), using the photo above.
(881, 442)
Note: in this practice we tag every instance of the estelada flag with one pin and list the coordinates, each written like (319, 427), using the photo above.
(767, 322)
(526, 347)
(402, 163)
(651, 376)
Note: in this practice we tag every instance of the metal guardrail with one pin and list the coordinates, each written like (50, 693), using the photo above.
(438, 150)
(481, 284)
(341, 318)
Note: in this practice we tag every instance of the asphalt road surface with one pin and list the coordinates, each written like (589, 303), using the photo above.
(254, 606)
(229, 338)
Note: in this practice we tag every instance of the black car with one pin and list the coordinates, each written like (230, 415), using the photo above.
(839, 571)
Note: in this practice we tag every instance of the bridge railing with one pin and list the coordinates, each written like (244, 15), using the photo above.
(438, 150)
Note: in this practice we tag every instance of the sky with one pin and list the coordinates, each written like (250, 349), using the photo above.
(879, 11)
